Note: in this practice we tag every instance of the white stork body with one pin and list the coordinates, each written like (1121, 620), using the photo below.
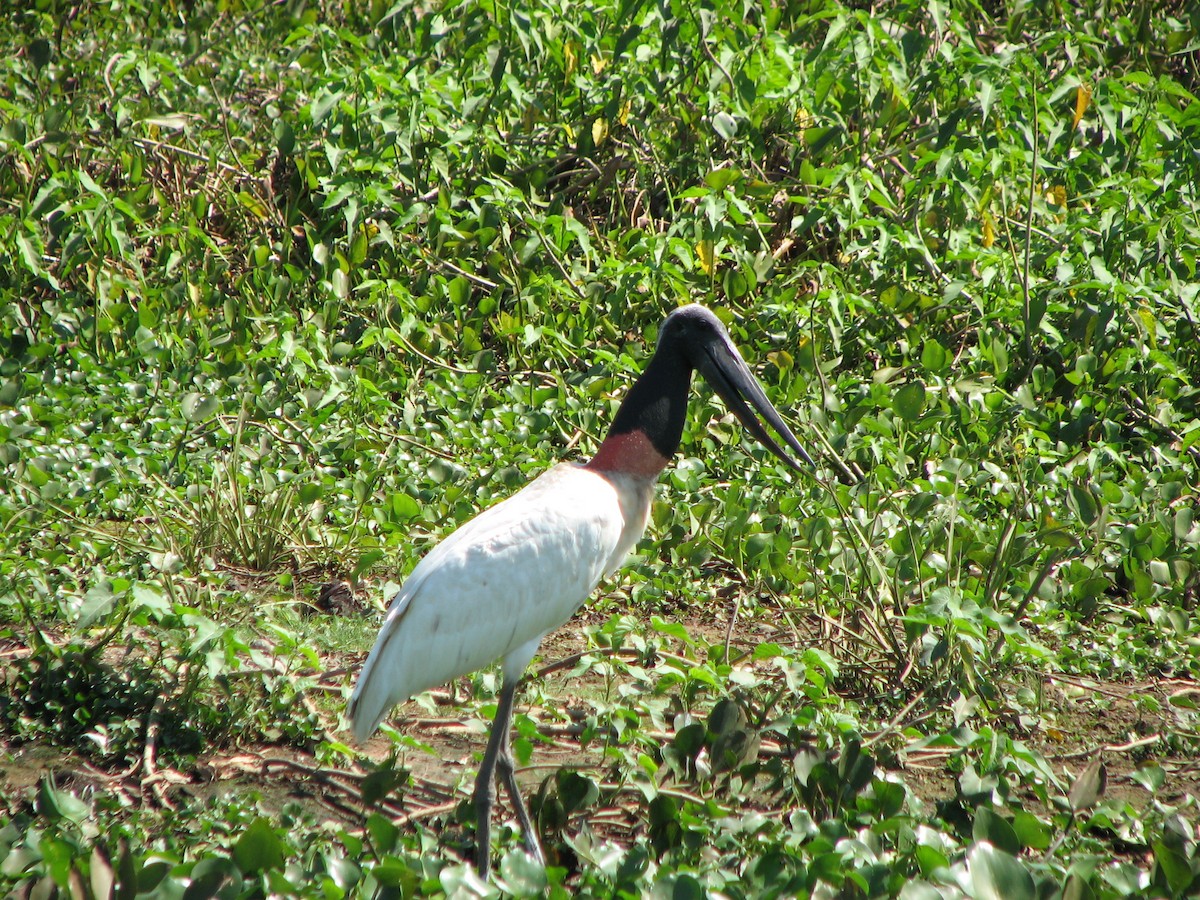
(533, 559)
(495, 587)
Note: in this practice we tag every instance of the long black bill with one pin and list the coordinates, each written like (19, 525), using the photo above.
(725, 370)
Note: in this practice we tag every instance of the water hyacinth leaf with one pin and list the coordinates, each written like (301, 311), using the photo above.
(208, 877)
(198, 407)
(522, 875)
(990, 826)
(427, 251)
(100, 874)
(97, 603)
(259, 848)
(56, 804)
(1031, 831)
(1173, 870)
(997, 875)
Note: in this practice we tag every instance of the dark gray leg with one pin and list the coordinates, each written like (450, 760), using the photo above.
(498, 756)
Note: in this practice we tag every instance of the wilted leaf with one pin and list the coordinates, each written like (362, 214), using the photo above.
(1083, 99)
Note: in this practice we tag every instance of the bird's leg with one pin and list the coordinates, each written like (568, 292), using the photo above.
(508, 774)
(498, 756)
(485, 793)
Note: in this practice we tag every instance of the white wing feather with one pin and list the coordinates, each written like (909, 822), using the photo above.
(496, 586)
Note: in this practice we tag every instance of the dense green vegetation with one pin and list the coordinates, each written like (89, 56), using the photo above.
(290, 290)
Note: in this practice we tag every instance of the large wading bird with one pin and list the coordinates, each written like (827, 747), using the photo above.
(496, 586)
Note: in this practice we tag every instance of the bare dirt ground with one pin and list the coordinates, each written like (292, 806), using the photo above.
(1128, 725)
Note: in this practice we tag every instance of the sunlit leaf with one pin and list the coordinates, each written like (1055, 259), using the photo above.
(1083, 99)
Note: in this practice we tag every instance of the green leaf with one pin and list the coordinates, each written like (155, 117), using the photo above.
(208, 876)
(384, 833)
(56, 804)
(930, 859)
(127, 875)
(1173, 866)
(1089, 786)
(404, 507)
(1149, 775)
(1031, 831)
(366, 560)
(259, 848)
(1076, 888)
(671, 629)
(1083, 502)
(459, 290)
(994, 828)
(909, 401)
(380, 783)
(934, 357)
(522, 875)
(719, 179)
(197, 407)
(996, 875)
(100, 874)
(576, 791)
(97, 603)
(725, 125)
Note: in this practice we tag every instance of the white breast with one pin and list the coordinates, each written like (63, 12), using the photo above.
(500, 582)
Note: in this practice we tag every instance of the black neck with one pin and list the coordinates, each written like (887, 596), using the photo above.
(657, 403)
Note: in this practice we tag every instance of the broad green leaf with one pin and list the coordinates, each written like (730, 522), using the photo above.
(719, 179)
(259, 848)
(198, 407)
(404, 507)
(1174, 867)
(97, 603)
(1031, 831)
(996, 875)
(56, 804)
(996, 830)
(672, 629)
(100, 874)
(934, 357)
(909, 401)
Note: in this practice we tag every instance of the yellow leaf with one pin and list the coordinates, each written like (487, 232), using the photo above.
(572, 58)
(804, 119)
(598, 63)
(989, 230)
(704, 250)
(599, 131)
(1149, 323)
(1083, 99)
(1057, 195)
(623, 115)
